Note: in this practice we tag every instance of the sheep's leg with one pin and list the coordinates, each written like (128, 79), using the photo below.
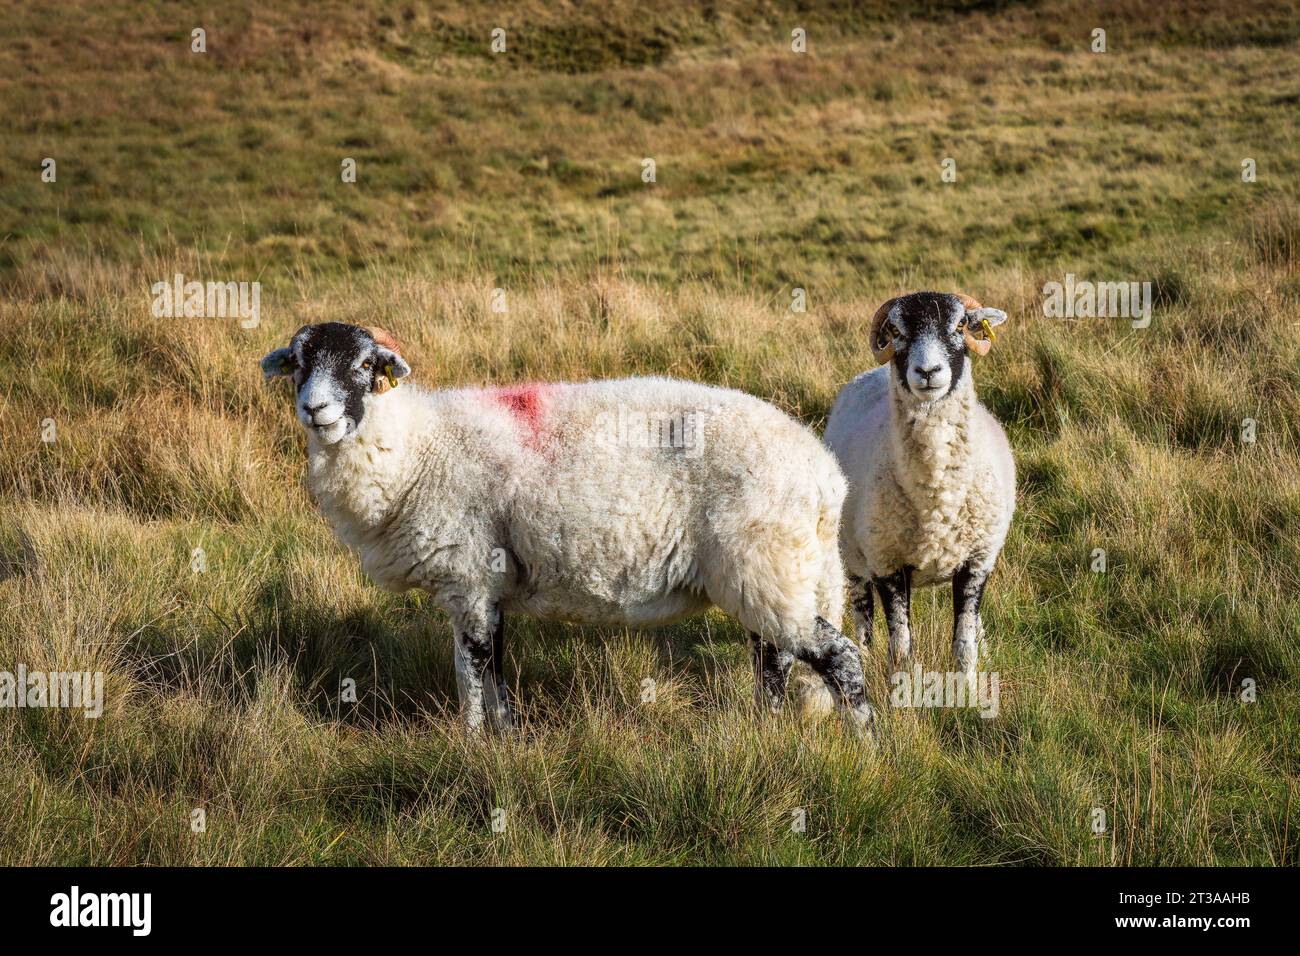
(478, 660)
(863, 608)
(895, 597)
(967, 630)
(771, 673)
(836, 659)
(496, 693)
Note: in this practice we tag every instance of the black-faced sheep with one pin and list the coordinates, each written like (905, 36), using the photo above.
(932, 484)
(635, 501)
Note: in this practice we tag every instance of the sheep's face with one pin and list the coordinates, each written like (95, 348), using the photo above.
(927, 336)
(335, 368)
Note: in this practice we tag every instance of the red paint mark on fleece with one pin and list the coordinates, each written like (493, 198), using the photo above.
(527, 403)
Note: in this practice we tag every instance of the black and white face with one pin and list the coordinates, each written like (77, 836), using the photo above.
(928, 332)
(334, 368)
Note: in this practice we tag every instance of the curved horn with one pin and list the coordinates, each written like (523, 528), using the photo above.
(385, 338)
(882, 351)
(978, 346)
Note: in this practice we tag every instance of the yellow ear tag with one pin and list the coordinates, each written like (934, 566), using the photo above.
(392, 379)
(988, 330)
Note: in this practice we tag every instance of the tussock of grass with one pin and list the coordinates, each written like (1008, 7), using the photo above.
(1119, 691)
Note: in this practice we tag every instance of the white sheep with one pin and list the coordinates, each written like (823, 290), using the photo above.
(932, 484)
(635, 501)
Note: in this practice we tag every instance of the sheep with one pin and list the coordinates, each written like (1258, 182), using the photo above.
(630, 502)
(932, 483)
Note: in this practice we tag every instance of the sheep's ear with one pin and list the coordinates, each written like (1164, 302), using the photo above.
(979, 325)
(278, 363)
(991, 316)
(390, 363)
(388, 356)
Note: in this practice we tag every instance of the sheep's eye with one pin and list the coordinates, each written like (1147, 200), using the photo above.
(366, 365)
(961, 324)
(892, 330)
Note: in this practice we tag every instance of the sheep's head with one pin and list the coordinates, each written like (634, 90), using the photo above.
(927, 335)
(335, 368)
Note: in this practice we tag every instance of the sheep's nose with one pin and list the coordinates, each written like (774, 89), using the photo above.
(313, 409)
(925, 373)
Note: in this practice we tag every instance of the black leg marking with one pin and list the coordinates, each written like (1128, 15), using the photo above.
(473, 656)
(496, 696)
(968, 590)
(479, 658)
(864, 606)
(499, 650)
(896, 598)
(836, 659)
(967, 596)
(771, 673)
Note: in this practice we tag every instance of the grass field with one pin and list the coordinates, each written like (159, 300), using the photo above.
(522, 171)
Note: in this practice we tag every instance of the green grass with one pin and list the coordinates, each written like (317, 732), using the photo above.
(1120, 691)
